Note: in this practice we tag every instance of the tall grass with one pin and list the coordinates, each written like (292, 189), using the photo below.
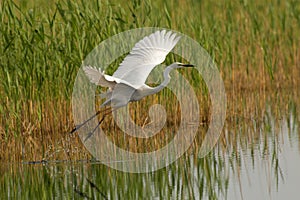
(255, 45)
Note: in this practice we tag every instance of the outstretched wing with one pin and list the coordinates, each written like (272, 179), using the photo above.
(145, 55)
(99, 78)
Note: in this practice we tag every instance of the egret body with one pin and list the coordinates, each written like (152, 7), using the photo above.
(128, 81)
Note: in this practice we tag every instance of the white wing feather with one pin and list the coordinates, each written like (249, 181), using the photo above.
(145, 55)
(99, 78)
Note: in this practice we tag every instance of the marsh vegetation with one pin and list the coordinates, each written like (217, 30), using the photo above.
(42, 45)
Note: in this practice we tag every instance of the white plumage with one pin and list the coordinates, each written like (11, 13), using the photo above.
(128, 82)
(136, 67)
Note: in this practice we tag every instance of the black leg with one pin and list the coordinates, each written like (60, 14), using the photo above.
(89, 119)
(92, 132)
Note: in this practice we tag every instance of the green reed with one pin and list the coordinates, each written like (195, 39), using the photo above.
(255, 45)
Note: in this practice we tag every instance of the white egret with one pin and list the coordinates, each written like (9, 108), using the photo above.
(128, 81)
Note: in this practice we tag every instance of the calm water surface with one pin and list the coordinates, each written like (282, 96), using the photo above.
(252, 161)
(271, 171)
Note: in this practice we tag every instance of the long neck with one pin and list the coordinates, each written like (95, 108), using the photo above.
(166, 79)
(149, 90)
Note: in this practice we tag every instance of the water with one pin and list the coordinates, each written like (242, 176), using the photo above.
(253, 160)
(271, 170)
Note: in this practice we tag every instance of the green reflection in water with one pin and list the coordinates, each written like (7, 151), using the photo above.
(260, 157)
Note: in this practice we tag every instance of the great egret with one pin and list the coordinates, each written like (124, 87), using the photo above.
(128, 81)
